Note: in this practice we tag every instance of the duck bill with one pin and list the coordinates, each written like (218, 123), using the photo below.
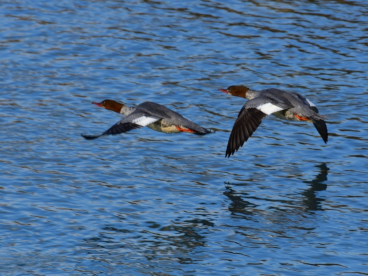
(98, 104)
(223, 90)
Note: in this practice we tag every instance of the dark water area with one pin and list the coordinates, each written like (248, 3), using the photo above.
(150, 203)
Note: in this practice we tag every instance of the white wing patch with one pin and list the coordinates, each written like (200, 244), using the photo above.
(144, 120)
(269, 108)
(310, 103)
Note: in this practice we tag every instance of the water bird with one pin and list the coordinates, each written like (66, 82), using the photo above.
(285, 105)
(152, 115)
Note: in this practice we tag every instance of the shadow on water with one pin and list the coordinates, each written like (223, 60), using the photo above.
(311, 201)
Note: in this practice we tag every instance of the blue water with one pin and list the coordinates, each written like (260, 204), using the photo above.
(149, 203)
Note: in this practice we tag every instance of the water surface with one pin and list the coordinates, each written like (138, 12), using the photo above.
(149, 203)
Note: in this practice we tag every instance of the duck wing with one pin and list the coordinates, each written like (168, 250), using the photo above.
(249, 119)
(320, 125)
(135, 120)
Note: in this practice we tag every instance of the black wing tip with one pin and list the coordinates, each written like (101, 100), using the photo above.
(229, 151)
(228, 154)
(325, 137)
(321, 127)
(90, 137)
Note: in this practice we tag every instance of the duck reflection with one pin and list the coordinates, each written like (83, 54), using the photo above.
(238, 205)
(153, 241)
(310, 200)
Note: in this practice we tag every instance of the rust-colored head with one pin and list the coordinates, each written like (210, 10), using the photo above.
(110, 105)
(236, 90)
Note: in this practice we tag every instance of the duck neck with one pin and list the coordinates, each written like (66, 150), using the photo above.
(126, 110)
(251, 94)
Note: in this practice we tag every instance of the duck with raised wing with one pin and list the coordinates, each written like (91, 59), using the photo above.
(285, 105)
(152, 115)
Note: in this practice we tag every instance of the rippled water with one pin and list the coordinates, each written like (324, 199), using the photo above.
(149, 203)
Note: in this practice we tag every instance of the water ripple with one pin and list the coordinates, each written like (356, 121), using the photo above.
(148, 203)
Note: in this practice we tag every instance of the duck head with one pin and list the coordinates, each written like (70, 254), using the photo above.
(110, 105)
(236, 90)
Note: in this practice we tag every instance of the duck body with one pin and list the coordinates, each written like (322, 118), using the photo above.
(285, 105)
(168, 121)
(152, 115)
(294, 103)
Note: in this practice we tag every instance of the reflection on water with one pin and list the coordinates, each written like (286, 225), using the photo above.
(238, 204)
(312, 202)
(154, 242)
(310, 199)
